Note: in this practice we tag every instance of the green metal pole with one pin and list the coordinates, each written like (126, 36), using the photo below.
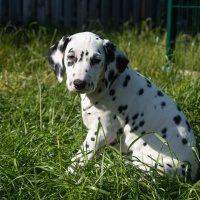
(169, 29)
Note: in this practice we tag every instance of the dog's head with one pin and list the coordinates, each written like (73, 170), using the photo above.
(87, 59)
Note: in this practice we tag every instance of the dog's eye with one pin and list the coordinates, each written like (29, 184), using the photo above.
(94, 61)
(70, 57)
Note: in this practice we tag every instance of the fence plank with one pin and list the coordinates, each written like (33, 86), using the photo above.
(19, 12)
(68, 13)
(105, 11)
(127, 10)
(116, 12)
(81, 12)
(11, 10)
(41, 9)
(93, 10)
(56, 11)
(136, 11)
(29, 10)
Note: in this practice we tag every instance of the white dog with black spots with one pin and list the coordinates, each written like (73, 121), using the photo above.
(122, 108)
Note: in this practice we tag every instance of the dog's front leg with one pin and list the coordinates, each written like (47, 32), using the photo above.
(92, 143)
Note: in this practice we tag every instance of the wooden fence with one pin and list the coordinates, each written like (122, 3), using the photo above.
(80, 12)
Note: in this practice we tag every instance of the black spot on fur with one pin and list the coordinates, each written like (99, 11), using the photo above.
(112, 92)
(86, 145)
(135, 128)
(114, 117)
(111, 75)
(135, 117)
(164, 131)
(66, 41)
(163, 104)
(100, 90)
(148, 83)
(120, 131)
(49, 53)
(110, 52)
(141, 91)
(144, 144)
(81, 58)
(106, 82)
(94, 60)
(113, 143)
(141, 123)
(188, 125)
(169, 165)
(82, 54)
(86, 53)
(58, 70)
(122, 108)
(121, 63)
(127, 120)
(130, 153)
(60, 48)
(54, 48)
(177, 119)
(184, 141)
(178, 108)
(159, 93)
(127, 78)
(113, 99)
(183, 166)
(92, 139)
(164, 136)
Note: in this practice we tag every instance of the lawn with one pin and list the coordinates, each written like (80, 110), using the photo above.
(41, 127)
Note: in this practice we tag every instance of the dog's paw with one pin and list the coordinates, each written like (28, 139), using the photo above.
(70, 170)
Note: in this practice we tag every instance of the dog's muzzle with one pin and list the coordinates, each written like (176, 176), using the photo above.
(79, 84)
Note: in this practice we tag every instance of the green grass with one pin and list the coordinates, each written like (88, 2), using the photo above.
(41, 127)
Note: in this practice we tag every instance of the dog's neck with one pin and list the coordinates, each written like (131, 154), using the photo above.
(92, 99)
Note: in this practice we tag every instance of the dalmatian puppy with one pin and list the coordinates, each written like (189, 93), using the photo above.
(122, 108)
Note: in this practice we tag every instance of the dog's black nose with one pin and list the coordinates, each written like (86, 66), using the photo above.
(79, 84)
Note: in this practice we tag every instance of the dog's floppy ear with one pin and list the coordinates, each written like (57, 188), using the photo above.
(116, 62)
(55, 55)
